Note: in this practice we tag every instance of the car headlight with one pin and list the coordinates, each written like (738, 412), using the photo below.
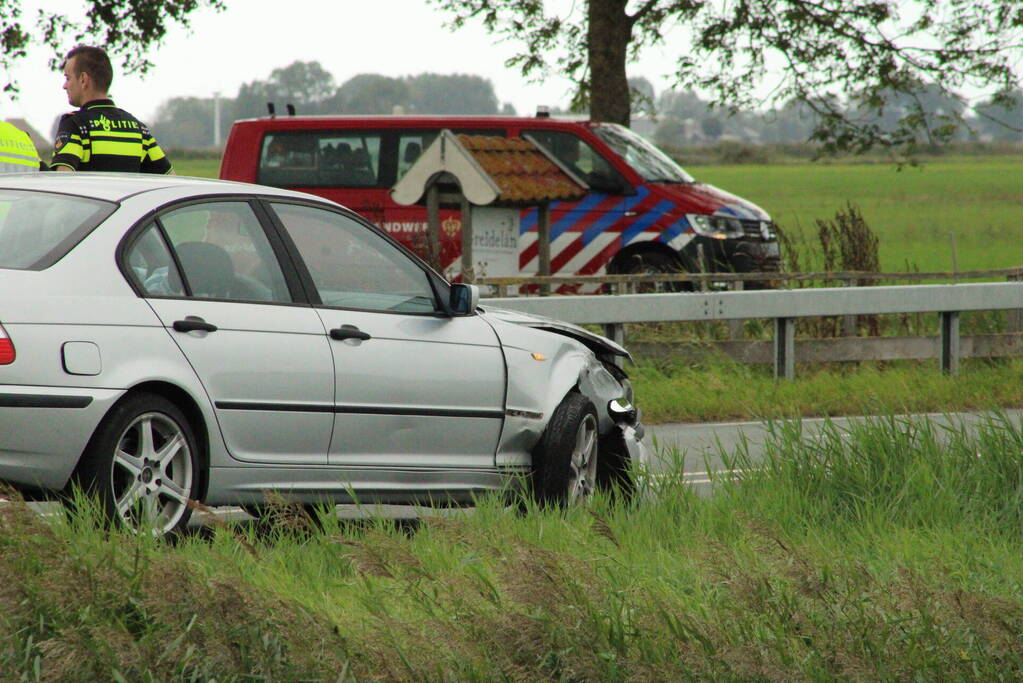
(718, 227)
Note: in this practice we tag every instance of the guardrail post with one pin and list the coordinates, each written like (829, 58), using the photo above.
(950, 342)
(735, 326)
(1014, 316)
(616, 333)
(849, 321)
(784, 348)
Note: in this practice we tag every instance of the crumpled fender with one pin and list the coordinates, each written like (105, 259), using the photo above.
(542, 368)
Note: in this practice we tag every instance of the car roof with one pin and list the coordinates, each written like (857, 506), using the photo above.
(118, 186)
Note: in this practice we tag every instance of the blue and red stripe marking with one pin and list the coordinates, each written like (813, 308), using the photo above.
(603, 214)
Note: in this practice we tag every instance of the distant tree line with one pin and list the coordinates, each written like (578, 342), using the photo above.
(669, 118)
(674, 117)
(189, 121)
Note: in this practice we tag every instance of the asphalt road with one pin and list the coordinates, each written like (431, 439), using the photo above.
(700, 445)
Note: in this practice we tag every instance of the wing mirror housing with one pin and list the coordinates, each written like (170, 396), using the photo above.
(464, 299)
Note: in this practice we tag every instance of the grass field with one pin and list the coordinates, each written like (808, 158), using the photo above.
(916, 212)
(202, 168)
(886, 552)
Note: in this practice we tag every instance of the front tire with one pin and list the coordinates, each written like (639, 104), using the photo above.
(565, 459)
(143, 465)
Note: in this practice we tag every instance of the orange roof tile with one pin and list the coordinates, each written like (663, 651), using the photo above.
(522, 173)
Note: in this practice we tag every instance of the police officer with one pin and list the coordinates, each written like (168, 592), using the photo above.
(17, 153)
(100, 136)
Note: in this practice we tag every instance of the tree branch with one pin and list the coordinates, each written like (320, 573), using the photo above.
(642, 11)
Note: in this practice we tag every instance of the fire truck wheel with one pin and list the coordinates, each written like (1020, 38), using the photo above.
(652, 263)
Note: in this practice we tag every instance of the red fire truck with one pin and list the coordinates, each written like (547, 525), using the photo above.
(642, 213)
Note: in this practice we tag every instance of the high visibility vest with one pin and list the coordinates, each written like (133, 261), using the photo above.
(17, 153)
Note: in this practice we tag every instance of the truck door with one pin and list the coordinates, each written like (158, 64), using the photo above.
(584, 233)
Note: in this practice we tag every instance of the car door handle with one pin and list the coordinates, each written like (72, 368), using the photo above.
(348, 332)
(193, 323)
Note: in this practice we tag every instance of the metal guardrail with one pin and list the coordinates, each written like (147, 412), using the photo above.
(621, 284)
(784, 306)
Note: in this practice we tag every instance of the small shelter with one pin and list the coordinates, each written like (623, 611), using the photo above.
(491, 179)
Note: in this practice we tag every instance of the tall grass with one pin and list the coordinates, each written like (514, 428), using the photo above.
(886, 551)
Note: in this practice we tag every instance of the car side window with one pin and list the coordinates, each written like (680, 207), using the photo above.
(224, 253)
(580, 158)
(354, 267)
(150, 262)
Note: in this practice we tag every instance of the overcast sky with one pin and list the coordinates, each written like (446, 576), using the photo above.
(250, 38)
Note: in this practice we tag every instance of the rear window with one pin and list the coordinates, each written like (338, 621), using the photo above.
(320, 159)
(38, 228)
(350, 158)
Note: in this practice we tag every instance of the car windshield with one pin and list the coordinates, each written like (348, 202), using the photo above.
(38, 228)
(649, 162)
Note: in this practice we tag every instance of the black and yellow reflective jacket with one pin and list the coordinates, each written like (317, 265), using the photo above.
(102, 137)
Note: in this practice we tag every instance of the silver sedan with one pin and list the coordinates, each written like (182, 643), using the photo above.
(167, 339)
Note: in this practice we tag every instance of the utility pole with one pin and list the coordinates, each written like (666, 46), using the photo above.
(216, 119)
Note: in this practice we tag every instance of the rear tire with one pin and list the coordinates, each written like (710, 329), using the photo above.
(565, 459)
(143, 464)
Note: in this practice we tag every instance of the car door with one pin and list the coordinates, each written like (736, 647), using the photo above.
(413, 387)
(211, 273)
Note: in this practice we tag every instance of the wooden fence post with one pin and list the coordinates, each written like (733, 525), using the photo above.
(433, 228)
(468, 268)
(543, 237)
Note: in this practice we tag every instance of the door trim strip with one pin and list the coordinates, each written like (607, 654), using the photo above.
(496, 413)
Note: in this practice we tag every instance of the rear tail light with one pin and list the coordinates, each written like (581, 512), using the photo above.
(6, 348)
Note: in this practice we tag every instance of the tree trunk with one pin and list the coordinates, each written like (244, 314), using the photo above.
(607, 39)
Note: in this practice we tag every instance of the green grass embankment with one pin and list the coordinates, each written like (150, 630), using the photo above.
(881, 553)
(724, 390)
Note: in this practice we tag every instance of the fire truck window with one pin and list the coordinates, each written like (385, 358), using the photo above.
(580, 158)
(411, 146)
(412, 143)
(321, 159)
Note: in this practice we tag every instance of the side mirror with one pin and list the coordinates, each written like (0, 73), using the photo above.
(464, 299)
